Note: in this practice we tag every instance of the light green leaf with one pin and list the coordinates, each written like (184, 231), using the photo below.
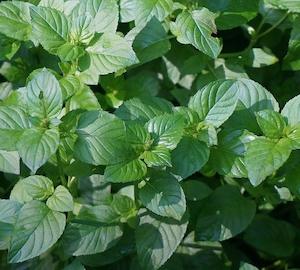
(216, 102)
(8, 215)
(105, 14)
(101, 139)
(34, 187)
(124, 206)
(167, 130)
(228, 157)
(291, 111)
(61, 200)
(151, 42)
(271, 123)
(36, 146)
(49, 27)
(82, 29)
(247, 266)
(157, 156)
(224, 214)
(36, 230)
(264, 156)
(9, 162)
(125, 172)
(196, 28)
(157, 239)
(293, 133)
(15, 20)
(147, 9)
(163, 195)
(109, 54)
(13, 123)
(70, 52)
(143, 110)
(69, 86)
(56, 4)
(187, 160)
(84, 239)
(128, 10)
(44, 96)
(291, 5)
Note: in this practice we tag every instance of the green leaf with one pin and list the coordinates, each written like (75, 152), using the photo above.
(291, 5)
(36, 230)
(163, 195)
(216, 101)
(82, 29)
(147, 9)
(56, 4)
(36, 146)
(151, 42)
(264, 156)
(137, 136)
(187, 160)
(143, 110)
(228, 157)
(252, 98)
(61, 200)
(196, 28)
(69, 84)
(8, 215)
(271, 123)
(167, 130)
(13, 123)
(124, 206)
(224, 214)
(70, 52)
(105, 14)
(128, 10)
(34, 187)
(195, 190)
(263, 235)
(125, 172)
(75, 265)
(247, 266)
(157, 239)
(44, 96)
(50, 28)
(157, 156)
(293, 133)
(15, 20)
(9, 162)
(101, 139)
(83, 239)
(291, 111)
(111, 53)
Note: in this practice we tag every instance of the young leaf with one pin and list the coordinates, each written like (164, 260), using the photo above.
(224, 214)
(167, 130)
(157, 239)
(85, 239)
(105, 14)
(125, 172)
(264, 156)
(36, 187)
(61, 200)
(216, 101)
(44, 96)
(50, 27)
(100, 139)
(36, 146)
(163, 195)
(271, 123)
(291, 111)
(109, 54)
(157, 156)
(15, 20)
(36, 230)
(147, 9)
(194, 157)
(196, 28)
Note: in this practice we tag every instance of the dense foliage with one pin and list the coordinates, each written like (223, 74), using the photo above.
(140, 134)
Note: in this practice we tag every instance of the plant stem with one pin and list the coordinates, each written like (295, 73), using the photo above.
(256, 36)
(199, 246)
(60, 169)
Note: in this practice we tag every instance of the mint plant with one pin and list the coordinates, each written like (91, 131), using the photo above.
(154, 134)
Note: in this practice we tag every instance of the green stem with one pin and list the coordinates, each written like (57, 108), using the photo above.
(256, 37)
(60, 169)
(199, 246)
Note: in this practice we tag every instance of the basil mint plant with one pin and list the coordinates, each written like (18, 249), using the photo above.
(154, 134)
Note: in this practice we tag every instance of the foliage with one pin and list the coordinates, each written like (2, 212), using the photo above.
(141, 134)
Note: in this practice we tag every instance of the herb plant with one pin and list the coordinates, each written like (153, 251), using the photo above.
(140, 134)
